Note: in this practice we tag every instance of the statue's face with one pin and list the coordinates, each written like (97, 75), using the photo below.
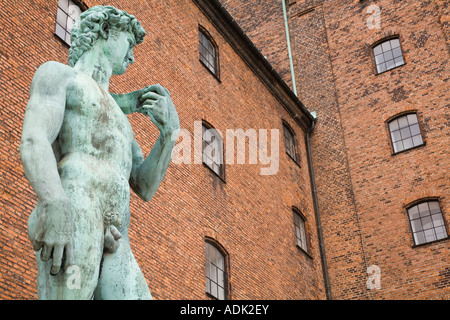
(120, 48)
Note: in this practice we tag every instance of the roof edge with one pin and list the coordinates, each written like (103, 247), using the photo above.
(254, 59)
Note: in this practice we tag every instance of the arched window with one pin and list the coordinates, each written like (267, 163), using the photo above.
(289, 141)
(427, 222)
(213, 150)
(388, 55)
(405, 132)
(300, 230)
(216, 282)
(68, 12)
(208, 52)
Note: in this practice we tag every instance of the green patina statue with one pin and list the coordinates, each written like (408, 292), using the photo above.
(79, 153)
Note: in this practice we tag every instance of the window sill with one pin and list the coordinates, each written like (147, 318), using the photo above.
(406, 150)
(214, 74)
(304, 251)
(62, 41)
(215, 173)
(295, 161)
(379, 73)
(431, 242)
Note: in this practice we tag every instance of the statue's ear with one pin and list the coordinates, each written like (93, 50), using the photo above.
(104, 30)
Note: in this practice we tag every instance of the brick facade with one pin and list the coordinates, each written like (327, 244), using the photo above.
(364, 188)
(249, 215)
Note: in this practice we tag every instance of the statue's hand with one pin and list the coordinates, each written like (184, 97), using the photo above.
(53, 232)
(156, 103)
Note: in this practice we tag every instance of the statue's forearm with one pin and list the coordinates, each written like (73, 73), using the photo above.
(153, 169)
(126, 102)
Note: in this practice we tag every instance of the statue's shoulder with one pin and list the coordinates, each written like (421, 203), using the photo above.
(55, 70)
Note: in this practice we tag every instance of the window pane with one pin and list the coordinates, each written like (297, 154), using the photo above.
(208, 285)
(405, 133)
(221, 293)
(434, 207)
(393, 125)
(379, 59)
(70, 23)
(395, 43)
(61, 18)
(208, 268)
(423, 209)
(407, 143)
(388, 56)
(415, 130)
(397, 52)
(399, 62)
(214, 289)
(416, 225)
(441, 233)
(74, 11)
(413, 213)
(426, 223)
(398, 146)
(417, 140)
(390, 64)
(60, 32)
(63, 4)
(412, 119)
(429, 235)
(386, 46)
(402, 122)
(381, 67)
(419, 237)
(377, 50)
(220, 279)
(437, 220)
(396, 136)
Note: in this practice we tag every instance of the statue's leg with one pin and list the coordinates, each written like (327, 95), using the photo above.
(80, 280)
(120, 277)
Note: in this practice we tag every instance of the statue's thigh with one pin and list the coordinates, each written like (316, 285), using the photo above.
(80, 280)
(120, 277)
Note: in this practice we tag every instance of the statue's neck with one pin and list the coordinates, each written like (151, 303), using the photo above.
(95, 64)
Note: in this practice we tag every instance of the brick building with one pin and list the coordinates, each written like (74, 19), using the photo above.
(368, 181)
(271, 235)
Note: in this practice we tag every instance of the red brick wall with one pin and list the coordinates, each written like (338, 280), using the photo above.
(363, 189)
(250, 215)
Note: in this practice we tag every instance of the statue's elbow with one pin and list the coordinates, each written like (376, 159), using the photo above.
(26, 144)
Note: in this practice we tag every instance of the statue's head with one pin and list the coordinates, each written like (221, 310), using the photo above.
(100, 22)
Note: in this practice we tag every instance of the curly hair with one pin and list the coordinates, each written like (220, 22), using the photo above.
(96, 22)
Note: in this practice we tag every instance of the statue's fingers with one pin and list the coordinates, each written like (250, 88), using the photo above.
(159, 89)
(46, 252)
(151, 95)
(57, 259)
(37, 245)
(70, 259)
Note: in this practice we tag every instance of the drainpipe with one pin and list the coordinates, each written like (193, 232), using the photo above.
(291, 63)
(316, 210)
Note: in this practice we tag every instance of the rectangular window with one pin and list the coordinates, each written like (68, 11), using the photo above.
(208, 52)
(405, 132)
(300, 231)
(427, 222)
(215, 272)
(213, 150)
(66, 15)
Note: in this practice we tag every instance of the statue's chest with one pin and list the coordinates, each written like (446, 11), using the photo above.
(89, 103)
